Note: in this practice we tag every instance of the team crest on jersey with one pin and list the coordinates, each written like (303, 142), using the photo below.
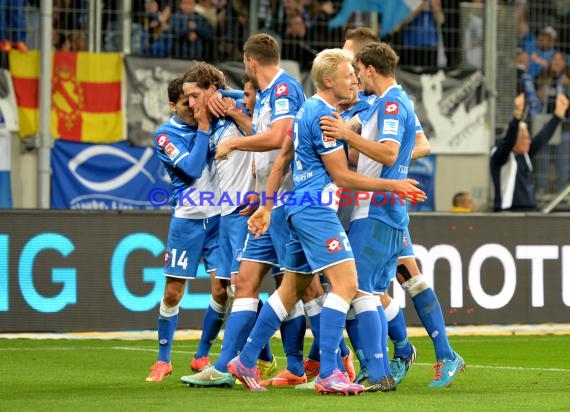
(282, 90)
(334, 245)
(171, 151)
(328, 141)
(391, 108)
(162, 140)
(167, 258)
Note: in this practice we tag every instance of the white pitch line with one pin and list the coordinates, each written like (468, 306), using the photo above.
(183, 352)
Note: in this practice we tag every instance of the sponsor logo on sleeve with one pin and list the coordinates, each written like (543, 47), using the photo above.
(328, 141)
(390, 127)
(334, 245)
(391, 108)
(162, 140)
(281, 106)
(281, 90)
(171, 151)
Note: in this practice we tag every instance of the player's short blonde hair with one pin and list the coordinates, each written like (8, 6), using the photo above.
(326, 64)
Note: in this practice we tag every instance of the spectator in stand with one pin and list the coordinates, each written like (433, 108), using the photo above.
(511, 167)
(156, 37)
(420, 34)
(294, 44)
(320, 35)
(473, 36)
(553, 81)
(540, 59)
(232, 30)
(79, 41)
(463, 203)
(61, 42)
(12, 25)
(192, 34)
(526, 38)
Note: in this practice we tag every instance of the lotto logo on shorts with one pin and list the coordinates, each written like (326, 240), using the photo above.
(391, 108)
(166, 258)
(405, 241)
(334, 245)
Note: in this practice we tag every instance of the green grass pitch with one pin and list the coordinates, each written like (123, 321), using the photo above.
(503, 373)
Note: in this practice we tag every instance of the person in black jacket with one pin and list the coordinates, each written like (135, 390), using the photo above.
(511, 167)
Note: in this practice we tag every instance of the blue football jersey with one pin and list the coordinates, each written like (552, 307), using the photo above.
(313, 186)
(281, 99)
(391, 117)
(189, 170)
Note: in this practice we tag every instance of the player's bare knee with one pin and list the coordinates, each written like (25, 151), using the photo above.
(172, 297)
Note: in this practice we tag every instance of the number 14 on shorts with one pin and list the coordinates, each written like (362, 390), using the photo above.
(176, 260)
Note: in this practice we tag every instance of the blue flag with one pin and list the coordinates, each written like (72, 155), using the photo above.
(393, 12)
(5, 166)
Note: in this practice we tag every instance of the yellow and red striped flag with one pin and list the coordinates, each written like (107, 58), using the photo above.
(86, 95)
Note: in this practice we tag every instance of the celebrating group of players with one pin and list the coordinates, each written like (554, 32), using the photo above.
(359, 131)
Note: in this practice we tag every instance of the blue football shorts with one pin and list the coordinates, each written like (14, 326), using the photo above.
(233, 231)
(189, 241)
(270, 247)
(376, 247)
(317, 241)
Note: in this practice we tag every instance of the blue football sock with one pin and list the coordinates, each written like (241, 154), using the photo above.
(211, 325)
(368, 323)
(293, 335)
(313, 309)
(343, 348)
(384, 339)
(334, 316)
(269, 320)
(429, 311)
(167, 323)
(166, 329)
(397, 330)
(352, 330)
(238, 327)
(265, 354)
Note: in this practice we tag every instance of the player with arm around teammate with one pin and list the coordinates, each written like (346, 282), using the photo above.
(317, 242)
(182, 145)
(409, 276)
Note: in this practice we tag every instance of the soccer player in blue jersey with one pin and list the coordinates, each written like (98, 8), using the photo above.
(318, 241)
(182, 145)
(200, 80)
(425, 300)
(278, 99)
(347, 110)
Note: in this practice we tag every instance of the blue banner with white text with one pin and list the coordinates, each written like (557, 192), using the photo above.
(105, 176)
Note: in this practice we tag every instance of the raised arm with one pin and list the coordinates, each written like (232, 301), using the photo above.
(504, 147)
(546, 133)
